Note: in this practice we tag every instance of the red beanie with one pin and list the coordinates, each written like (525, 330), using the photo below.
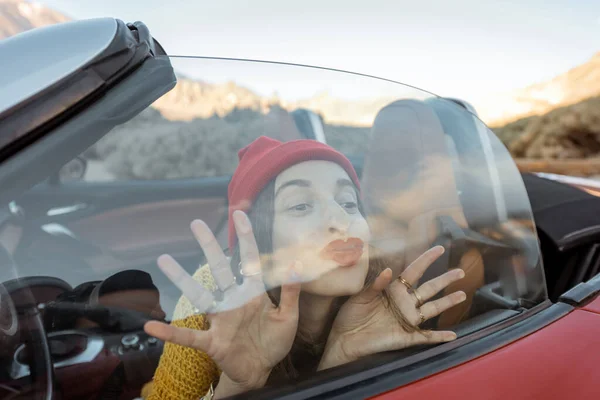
(263, 159)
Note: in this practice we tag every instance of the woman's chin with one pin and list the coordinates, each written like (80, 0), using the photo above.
(340, 281)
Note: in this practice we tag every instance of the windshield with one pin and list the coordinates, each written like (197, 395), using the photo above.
(257, 225)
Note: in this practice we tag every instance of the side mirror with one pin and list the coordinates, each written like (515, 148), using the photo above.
(72, 171)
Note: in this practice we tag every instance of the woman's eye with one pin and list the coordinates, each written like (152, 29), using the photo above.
(300, 207)
(350, 206)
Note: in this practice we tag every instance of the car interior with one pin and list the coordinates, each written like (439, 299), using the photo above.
(79, 259)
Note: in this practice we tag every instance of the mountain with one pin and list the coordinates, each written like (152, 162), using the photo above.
(17, 16)
(571, 87)
(192, 99)
(568, 132)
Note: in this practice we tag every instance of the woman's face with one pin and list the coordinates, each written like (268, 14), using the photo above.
(317, 222)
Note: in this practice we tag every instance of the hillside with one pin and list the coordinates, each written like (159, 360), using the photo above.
(570, 132)
(17, 16)
(573, 86)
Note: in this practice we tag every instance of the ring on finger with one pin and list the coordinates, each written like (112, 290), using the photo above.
(246, 274)
(421, 316)
(219, 289)
(405, 283)
(418, 297)
(210, 309)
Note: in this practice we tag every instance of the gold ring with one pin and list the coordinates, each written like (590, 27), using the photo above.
(421, 316)
(405, 283)
(419, 298)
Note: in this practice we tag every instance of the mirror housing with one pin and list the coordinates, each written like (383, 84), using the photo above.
(72, 171)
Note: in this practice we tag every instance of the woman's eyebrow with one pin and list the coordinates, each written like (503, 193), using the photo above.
(294, 182)
(345, 182)
(342, 183)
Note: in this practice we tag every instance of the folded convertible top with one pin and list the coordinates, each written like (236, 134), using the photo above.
(568, 216)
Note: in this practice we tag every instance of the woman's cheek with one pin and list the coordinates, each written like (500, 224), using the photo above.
(312, 266)
(360, 228)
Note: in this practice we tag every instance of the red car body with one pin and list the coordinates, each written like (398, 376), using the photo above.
(558, 361)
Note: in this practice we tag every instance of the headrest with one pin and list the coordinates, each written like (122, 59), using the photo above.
(408, 175)
(476, 170)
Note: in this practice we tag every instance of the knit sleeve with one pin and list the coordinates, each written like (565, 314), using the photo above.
(183, 372)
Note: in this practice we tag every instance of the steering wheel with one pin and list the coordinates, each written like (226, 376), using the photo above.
(33, 333)
(8, 315)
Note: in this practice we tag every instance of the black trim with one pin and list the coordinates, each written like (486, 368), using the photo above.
(581, 237)
(582, 293)
(387, 371)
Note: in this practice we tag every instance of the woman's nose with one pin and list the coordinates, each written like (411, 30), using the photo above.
(337, 219)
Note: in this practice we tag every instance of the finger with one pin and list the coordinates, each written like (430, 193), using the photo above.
(217, 261)
(430, 337)
(436, 285)
(200, 298)
(182, 336)
(372, 292)
(290, 293)
(416, 269)
(435, 308)
(249, 254)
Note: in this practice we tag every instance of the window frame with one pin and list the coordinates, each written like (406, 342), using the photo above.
(376, 379)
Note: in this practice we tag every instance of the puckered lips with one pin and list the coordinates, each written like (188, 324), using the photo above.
(345, 253)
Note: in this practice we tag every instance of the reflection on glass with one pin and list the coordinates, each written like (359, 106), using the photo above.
(262, 223)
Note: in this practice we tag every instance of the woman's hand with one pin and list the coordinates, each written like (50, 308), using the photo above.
(248, 335)
(365, 325)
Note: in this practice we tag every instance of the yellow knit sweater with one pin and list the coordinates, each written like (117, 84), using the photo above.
(184, 373)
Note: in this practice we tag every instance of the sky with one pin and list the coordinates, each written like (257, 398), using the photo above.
(464, 48)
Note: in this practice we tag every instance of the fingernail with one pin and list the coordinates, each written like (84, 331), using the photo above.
(241, 222)
(382, 272)
(460, 273)
(200, 228)
(462, 296)
(440, 249)
(452, 336)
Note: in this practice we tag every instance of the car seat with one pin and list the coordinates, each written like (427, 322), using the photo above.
(412, 198)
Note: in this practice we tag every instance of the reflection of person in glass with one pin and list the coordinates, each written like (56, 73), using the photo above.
(314, 294)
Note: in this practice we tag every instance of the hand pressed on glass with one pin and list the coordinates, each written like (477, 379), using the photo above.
(366, 325)
(248, 335)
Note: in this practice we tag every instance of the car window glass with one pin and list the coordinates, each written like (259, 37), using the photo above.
(391, 172)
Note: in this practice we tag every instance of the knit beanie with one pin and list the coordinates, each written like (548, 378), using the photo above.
(263, 159)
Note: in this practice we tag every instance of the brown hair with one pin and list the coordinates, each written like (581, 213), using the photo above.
(306, 352)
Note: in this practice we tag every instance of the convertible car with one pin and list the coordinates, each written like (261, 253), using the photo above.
(109, 148)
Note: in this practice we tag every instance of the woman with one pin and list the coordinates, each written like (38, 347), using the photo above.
(302, 292)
